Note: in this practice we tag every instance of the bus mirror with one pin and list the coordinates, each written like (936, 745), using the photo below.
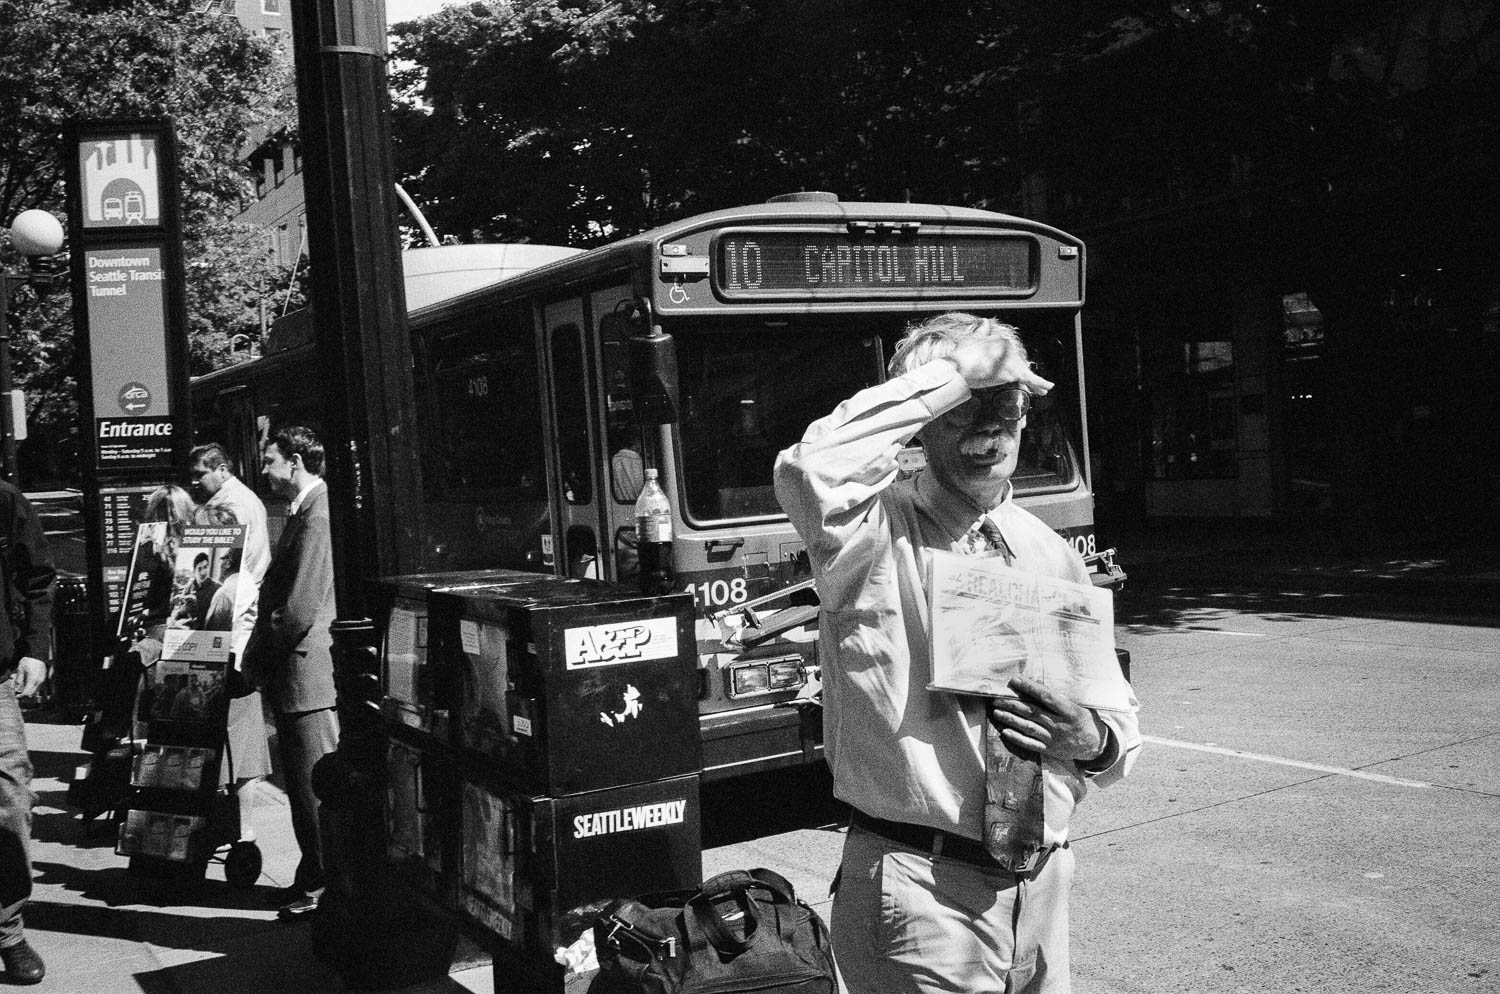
(653, 378)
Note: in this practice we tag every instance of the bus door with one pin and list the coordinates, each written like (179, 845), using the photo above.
(246, 426)
(576, 470)
(628, 448)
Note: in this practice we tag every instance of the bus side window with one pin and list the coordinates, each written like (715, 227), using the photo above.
(569, 382)
(627, 465)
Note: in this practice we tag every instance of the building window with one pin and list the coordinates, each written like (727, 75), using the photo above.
(270, 6)
(1309, 456)
(278, 166)
(1190, 378)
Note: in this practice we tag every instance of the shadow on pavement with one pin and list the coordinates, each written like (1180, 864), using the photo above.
(214, 953)
(55, 765)
(116, 887)
(202, 933)
(64, 828)
(1186, 604)
(766, 804)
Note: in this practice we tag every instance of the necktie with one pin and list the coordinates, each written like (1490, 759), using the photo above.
(1013, 792)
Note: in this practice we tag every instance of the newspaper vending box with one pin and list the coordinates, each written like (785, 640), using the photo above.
(543, 757)
(409, 691)
(571, 685)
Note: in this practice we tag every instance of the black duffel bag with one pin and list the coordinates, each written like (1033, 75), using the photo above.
(743, 931)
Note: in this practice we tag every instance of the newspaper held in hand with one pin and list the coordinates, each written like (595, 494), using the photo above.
(990, 622)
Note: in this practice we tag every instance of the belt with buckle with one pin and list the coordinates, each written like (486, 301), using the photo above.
(935, 842)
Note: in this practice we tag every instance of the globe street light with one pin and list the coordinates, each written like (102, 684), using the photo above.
(34, 234)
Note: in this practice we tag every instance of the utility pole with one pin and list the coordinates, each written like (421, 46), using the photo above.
(358, 295)
(359, 313)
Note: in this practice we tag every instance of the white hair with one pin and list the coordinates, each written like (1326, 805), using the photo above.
(937, 338)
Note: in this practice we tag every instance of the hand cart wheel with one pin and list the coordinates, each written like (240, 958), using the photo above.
(242, 864)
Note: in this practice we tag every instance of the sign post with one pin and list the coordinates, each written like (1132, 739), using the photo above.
(130, 322)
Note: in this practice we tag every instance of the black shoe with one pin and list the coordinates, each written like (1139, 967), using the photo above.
(22, 964)
(299, 906)
(282, 896)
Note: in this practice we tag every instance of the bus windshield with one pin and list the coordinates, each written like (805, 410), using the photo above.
(748, 391)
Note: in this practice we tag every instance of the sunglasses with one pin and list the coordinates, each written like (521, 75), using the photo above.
(1003, 403)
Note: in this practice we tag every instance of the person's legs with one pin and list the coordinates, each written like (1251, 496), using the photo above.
(1041, 960)
(247, 757)
(15, 817)
(303, 738)
(904, 923)
(244, 792)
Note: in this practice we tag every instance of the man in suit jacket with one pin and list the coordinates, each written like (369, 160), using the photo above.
(290, 651)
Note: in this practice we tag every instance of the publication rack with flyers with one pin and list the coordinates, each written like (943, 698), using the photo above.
(181, 598)
(556, 765)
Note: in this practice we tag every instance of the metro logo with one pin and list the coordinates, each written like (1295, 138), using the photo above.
(622, 642)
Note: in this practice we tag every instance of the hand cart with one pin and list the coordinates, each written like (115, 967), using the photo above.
(179, 813)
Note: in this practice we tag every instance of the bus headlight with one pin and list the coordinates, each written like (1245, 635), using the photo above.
(786, 675)
(751, 679)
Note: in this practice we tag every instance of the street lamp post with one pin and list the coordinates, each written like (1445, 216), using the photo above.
(34, 234)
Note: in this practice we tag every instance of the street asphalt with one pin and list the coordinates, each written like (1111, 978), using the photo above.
(1314, 810)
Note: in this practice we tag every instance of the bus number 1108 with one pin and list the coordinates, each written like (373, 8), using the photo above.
(717, 593)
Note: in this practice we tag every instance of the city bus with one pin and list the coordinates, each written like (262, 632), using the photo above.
(702, 348)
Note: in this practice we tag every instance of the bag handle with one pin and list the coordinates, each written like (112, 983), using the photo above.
(706, 913)
(738, 884)
(733, 881)
(776, 883)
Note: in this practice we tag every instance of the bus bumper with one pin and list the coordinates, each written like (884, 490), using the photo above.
(757, 739)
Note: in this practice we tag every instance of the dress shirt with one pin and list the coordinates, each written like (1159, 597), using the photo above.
(308, 482)
(897, 750)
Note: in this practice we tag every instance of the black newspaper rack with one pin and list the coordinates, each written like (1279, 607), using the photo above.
(542, 760)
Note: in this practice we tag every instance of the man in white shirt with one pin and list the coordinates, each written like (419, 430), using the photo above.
(216, 486)
(921, 906)
(227, 500)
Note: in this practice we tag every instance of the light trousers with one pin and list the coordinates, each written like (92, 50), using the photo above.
(906, 923)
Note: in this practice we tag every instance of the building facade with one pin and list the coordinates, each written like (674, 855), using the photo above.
(273, 201)
(1294, 285)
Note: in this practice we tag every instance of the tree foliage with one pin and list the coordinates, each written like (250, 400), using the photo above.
(572, 120)
(583, 119)
(62, 59)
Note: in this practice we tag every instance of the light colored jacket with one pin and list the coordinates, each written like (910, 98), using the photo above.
(897, 750)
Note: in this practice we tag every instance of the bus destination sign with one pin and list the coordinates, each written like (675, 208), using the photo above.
(813, 264)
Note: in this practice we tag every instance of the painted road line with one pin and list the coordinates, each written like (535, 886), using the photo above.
(1316, 767)
(1178, 630)
(1224, 631)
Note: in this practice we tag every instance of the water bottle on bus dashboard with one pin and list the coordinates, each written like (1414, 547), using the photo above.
(653, 529)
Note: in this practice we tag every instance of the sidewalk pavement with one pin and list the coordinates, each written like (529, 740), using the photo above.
(100, 929)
